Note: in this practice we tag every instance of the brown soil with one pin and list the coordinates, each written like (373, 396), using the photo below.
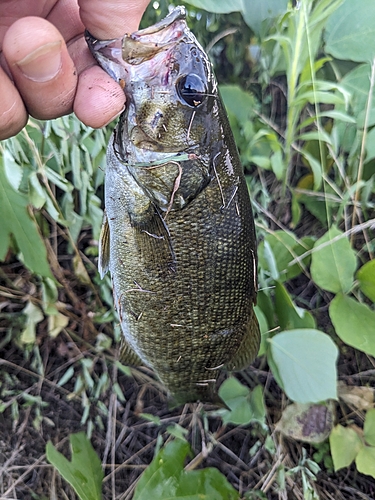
(123, 439)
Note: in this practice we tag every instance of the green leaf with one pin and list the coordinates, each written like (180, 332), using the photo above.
(350, 31)
(370, 145)
(306, 364)
(333, 262)
(177, 431)
(238, 102)
(366, 278)
(218, 6)
(56, 323)
(285, 248)
(166, 479)
(33, 316)
(315, 166)
(365, 461)
(12, 169)
(354, 323)
(245, 405)
(369, 427)
(345, 445)
(264, 329)
(257, 13)
(358, 83)
(151, 418)
(307, 422)
(316, 135)
(16, 221)
(289, 315)
(254, 13)
(84, 472)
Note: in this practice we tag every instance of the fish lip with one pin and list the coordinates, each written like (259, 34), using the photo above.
(114, 55)
(108, 54)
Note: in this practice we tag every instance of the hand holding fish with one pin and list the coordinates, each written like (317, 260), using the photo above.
(46, 69)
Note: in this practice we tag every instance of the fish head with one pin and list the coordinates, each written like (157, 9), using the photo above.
(169, 85)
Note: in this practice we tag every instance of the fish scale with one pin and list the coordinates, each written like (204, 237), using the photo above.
(178, 235)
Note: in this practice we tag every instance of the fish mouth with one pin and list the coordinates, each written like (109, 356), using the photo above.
(142, 45)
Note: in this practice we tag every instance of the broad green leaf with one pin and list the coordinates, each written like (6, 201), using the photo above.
(166, 479)
(333, 262)
(264, 12)
(370, 145)
(12, 169)
(307, 422)
(266, 304)
(84, 472)
(285, 248)
(369, 427)
(238, 102)
(306, 364)
(350, 31)
(354, 323)
(357, 83)
(257, 403)
(264, 328)
(254, 13)
(366, 278)
(16, 221)
(345, 445)
(245, 405)
(268, 259)
(289, 315)
(365, 461)
(218, 6)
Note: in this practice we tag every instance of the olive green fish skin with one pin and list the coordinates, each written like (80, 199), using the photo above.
(179, 236)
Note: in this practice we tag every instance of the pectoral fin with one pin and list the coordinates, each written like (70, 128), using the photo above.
(128, 356)
(103, 262)
(153, 240)
(248, 348)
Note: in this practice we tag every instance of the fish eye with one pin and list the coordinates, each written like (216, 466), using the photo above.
(191, 89)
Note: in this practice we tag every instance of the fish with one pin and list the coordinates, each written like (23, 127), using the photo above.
(178, 235)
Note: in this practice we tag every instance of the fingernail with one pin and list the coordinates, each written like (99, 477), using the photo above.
(114, 117)
(43, 63)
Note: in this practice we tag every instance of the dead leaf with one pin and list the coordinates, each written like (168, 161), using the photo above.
(33, 316)
(307, 422)
(361, 397)
(56, 323)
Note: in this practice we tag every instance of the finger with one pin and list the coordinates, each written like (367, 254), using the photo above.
(106, 19)
(13, 115)
(41, 67)
(99, 99)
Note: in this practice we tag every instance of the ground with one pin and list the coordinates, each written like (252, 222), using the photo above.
(35, 409)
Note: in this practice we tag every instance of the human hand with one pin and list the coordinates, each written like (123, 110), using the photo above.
(46, 69)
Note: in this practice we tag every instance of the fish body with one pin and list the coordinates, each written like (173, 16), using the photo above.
(178, 236)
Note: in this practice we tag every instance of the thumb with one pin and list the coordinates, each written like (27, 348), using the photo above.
(106, 19)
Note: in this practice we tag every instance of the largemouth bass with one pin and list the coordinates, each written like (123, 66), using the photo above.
(178, 236)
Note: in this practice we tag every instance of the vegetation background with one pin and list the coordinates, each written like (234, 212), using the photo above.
(298, 82)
